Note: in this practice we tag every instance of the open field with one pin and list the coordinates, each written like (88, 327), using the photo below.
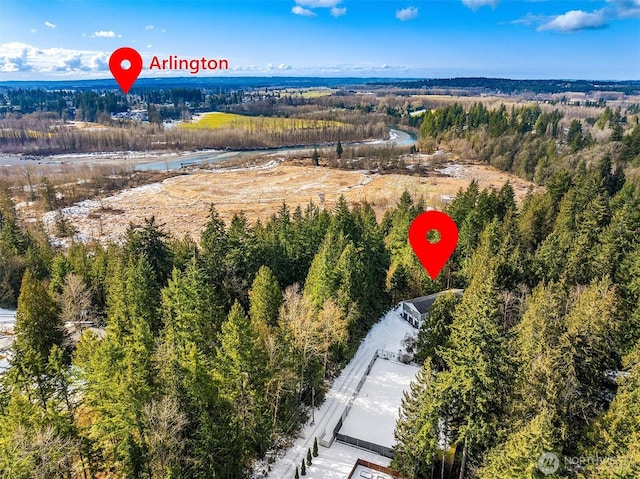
(218, 120)
(182, 202)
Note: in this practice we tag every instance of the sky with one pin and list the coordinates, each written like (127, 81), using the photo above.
(569, 39)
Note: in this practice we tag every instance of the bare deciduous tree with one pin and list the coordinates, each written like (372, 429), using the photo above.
(75, 302)
(165, 423)
(332, 327)
(45, 453)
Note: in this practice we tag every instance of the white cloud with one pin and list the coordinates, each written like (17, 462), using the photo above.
(15, 57)
(576, 20)
(626, 8)
(530, 19)
(408, 13)
(33, 30)
(21, 57)
(475, 4)
(338, 12)
(50, 25)
(304, 7)
(149, 27)
(318, 3)
(298, 10)
(105, 34)
(149, 45)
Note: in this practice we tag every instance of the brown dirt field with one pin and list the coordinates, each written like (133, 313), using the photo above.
(182, 202)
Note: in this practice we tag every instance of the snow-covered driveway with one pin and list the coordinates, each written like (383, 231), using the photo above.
(387, 334)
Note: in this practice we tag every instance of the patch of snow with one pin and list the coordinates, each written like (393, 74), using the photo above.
(454, 170)
(338, 461)
(374, 413)
(7, 324)
(7, 320)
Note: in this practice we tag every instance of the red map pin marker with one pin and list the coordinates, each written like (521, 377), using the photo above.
(433, 256)
(125, 77)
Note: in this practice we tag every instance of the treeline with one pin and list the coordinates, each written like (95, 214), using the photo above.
(540, 355)
(150, 137)
(529, 142)
(210, 355)
(32, 100)
(194, 96)
(89, 105)
(508, 86)
(499, 122)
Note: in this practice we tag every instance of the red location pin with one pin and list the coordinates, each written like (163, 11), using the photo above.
(125, 77)
(433, 256)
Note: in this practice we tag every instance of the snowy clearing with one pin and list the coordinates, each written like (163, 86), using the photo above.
(375, 412)
(338, 460)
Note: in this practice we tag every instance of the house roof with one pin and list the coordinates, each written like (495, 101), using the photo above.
(423, 304)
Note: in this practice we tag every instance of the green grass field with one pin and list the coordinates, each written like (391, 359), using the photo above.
(231, 120)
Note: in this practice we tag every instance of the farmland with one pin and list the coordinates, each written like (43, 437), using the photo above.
(217, 120)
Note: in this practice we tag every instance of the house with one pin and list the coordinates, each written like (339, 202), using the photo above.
(415, 311)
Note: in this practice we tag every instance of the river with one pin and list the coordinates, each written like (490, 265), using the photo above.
(157, 161)
(397, 137)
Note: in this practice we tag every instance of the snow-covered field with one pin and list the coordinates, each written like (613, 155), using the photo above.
(374, 413)
(338, 460)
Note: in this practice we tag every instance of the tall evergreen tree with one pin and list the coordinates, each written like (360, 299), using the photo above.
(265, 297)
(37, 331)
(518, 456)
(118, 373)
(239, 372)
(477, 365)
(150, 241)
(422, 430)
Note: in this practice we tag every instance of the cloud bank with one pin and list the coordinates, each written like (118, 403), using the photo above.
(18, 57)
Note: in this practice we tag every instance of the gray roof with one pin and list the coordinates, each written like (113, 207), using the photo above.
(423, 304)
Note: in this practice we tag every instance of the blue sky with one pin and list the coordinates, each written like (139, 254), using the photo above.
(72, 39)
